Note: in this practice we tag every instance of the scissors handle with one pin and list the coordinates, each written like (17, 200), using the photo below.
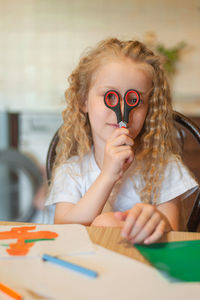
(112, 101)
(131, 100)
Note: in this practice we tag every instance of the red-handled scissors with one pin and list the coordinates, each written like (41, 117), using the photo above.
(112, 101)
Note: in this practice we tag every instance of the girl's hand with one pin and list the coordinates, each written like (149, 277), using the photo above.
(118, 154)
(144, 223)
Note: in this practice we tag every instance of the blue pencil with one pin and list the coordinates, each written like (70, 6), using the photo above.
(69, 265)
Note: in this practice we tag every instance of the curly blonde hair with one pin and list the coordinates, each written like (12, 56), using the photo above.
(157, 140)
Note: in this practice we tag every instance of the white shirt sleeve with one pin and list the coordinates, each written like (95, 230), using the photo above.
(65, 187)
(177, 181)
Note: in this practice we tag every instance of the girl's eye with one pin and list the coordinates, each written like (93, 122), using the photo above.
(111, 99)
(132, 99)
(111, 96)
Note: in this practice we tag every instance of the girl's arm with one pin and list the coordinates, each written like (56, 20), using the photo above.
(171, 210)
(88, 207)
(118, 156)
(107, 219)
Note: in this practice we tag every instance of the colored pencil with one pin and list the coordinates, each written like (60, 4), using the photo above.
(10, 292)
(69, 265)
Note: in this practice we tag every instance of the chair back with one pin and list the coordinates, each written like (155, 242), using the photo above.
(51, 154)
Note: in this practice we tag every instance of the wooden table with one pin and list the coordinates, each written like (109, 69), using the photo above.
(111, 239)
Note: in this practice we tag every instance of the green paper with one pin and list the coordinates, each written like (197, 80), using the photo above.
(178, 260)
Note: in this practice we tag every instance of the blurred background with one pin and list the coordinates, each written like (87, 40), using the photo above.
(40, 44)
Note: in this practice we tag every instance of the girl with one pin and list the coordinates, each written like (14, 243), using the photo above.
(104, 175)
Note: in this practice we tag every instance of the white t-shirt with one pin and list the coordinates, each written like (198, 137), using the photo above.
(73, 179)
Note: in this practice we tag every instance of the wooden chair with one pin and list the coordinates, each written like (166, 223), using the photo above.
(183, 125)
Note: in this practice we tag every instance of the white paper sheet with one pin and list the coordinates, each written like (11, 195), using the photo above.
(120, 278)
(69, 239)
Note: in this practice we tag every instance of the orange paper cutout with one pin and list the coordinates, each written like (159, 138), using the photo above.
(22, 234)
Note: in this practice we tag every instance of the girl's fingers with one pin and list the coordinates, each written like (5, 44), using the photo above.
(122, 149)
(122, 139)
(119, 131)
(148, 229)
(121, 154)
(121, 136)
(157, 234)
(144, 223)
(124, 155)
(130, 220)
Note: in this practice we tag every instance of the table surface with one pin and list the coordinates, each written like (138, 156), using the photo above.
(111, 239)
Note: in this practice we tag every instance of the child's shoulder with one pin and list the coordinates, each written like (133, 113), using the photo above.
(175, 163)
(178, 180)
(177, 173)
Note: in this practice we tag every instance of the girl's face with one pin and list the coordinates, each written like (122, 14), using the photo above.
(121, 76)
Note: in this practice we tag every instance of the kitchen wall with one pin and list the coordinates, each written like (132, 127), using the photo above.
(41, 42)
